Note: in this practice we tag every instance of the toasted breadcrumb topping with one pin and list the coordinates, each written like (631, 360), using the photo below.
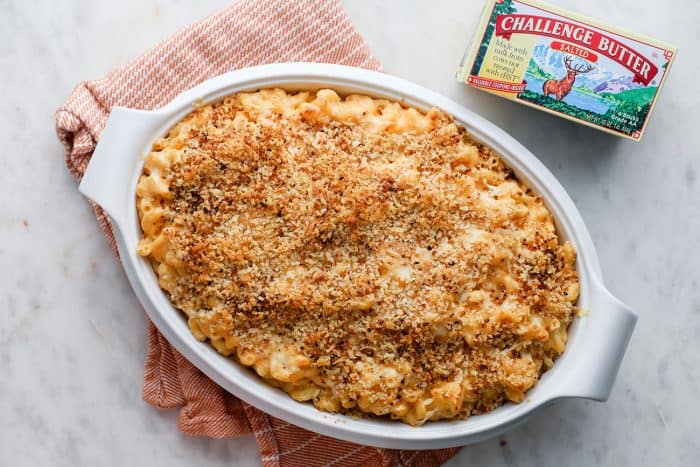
(357, 253)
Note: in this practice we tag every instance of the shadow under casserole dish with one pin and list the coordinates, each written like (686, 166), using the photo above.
(357, 253)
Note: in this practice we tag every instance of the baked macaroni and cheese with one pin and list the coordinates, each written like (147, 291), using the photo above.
(357, 253)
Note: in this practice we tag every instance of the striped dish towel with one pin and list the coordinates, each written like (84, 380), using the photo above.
(249, 32)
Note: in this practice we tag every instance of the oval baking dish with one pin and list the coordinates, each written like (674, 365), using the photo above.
(597, 341)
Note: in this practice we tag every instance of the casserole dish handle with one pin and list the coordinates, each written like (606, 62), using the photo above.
(612, 322)
(108, 178)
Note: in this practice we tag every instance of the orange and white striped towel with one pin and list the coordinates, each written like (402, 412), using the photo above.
(249, 32)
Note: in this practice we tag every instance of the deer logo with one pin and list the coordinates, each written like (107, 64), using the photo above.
(560, 88)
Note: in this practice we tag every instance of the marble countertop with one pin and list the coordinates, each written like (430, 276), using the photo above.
(72, 341)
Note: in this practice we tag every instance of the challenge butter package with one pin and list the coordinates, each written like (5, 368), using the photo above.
(568, 65)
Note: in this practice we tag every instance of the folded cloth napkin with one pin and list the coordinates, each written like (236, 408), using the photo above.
(249, 32)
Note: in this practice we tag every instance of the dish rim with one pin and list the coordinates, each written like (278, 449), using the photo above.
(608, 327)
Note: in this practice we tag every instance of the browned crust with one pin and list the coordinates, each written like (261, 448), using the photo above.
(356, 253)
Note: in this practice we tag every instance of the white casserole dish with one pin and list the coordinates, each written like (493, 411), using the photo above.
(597, 342)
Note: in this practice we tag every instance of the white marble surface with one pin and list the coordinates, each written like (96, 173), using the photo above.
(72, 340)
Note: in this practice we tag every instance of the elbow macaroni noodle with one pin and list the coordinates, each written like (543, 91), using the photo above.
(357, 253)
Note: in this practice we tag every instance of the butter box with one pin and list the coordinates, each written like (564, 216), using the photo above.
(568, 65)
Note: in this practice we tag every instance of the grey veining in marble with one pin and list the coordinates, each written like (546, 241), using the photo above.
(72, 341)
